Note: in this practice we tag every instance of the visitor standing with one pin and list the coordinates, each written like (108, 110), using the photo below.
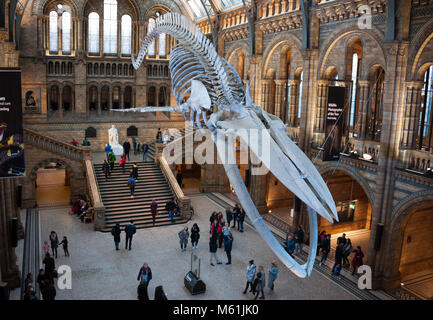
(183, 238)
(259, 283)
(131, 184)
(145, 149)
(86, 142)
(357, 259)
(289, 245)
(299, 240)
(236, 213)
(241, 218)
(325, 244)
(338, 257)
(64, 244)
(144, 276)
(111, 160)
(220, 234)
(228, 244)
(129, 231)
(54, 243)
(229, 216)
(347, 250)
(135, 171)
(153, 210)
(126, 148)
(272, 276)
(159, 136)
(251, 272)
(50, 265)
(115, 231)
(107, 149)
(122, 163)
(213, 249)
(45, 248)
(342, 240)
(195, 236)
(179, 178)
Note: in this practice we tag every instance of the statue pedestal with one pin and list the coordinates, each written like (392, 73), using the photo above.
(117, 149)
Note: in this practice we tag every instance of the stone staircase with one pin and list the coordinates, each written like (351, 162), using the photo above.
(121, 208)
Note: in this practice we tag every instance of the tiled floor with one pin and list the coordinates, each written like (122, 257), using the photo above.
(100, 272)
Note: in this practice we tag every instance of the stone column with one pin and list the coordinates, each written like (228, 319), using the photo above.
(8, 260)
(133, 98)
(101, 35)
(411, 114)
(61, 102)
(293, 102)
(121, 98)
(364, 92)
(119, 48)
(265, 94)
(98, 90)
(280, 93)
(322, 98)
(110, 100)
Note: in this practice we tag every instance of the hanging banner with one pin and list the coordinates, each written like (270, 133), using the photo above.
(334, 122)
(11, 124)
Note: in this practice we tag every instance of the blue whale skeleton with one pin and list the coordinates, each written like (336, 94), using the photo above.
(210, 84)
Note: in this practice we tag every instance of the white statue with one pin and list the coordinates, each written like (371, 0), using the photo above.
(113, 141)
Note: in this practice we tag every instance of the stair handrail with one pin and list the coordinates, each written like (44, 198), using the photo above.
(57, 146)
(95, 197)
(183, 201)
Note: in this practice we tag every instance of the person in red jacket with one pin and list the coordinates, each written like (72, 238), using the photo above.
(357, 259)
(122, 162)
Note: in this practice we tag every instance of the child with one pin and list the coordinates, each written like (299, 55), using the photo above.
(337, 270)
(64, 242)
(46, 248)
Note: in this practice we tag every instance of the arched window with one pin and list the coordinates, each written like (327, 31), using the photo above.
(354, 78)
(151, 48)
(93, 32)
(66, 32)
(300, 97)
(126, 34)
(161, 45)
(53, 32)
(425, 132)
(110, 26)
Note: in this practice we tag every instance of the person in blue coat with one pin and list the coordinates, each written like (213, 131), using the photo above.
(272, 276)
(228, 243)
(131, 184)
(289, 245)
(107, 149)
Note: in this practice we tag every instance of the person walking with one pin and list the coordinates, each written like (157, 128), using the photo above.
(145, 149)
(338, 257)
(54, 243)
(195, 236)
(129, 231)
(241, 218)
(115, 231)
(126, 148)
(107, 149)
(144, 276)
(153, 210)
(357, 259)
(183, 238)
(299, 240)
(347, 250)
(229, 216)
(111, 160)
(326, 248)
(272, 276)
(259, 283)
(122, 163)
(64, 244)
(135, 171)
(131, 184)
(106, 169)
(160, 294)
(251, 272)
(228, 244)
(213, 249)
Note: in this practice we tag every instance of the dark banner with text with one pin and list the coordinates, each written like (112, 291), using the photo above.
(334, 122)
(11, 124)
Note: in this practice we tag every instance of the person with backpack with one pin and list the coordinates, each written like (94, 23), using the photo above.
(154, 210)
(115, 231)
(126, 148)
(183, 238)
(129, 231)
(131, 183)
(111, 160)
(144, 276)
(145, 149)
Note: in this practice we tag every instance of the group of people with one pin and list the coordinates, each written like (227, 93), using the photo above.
(54, 241)
(256, 280)
(138, 148)
(144, 276)
(342, 252)
(293, 244)
(129, 230)
(162, 138)
(82, 208)
(235, 214)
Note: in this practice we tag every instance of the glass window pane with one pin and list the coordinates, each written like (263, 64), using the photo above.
(354, 88)
(151, 48)
(110, 26)
(66, 32)
(53, 31)
(93, 32)
(126, 34)
(161, 45)
(300, 96)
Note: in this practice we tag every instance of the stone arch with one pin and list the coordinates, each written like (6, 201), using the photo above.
(43, 163)
(340, 33)
(416, 48)
(328, 169)
(46, 4)
(165, 5)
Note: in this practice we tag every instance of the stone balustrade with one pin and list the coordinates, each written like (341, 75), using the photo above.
(93, 191)
(417, 160)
